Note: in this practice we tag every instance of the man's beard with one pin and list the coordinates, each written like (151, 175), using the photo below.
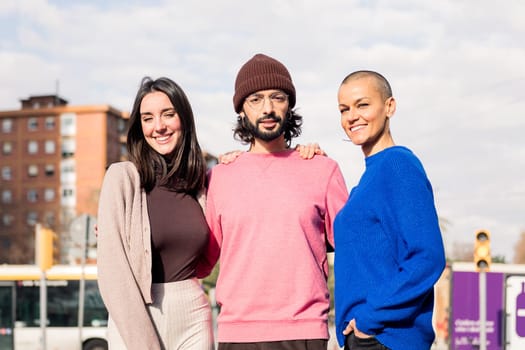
(263, 134)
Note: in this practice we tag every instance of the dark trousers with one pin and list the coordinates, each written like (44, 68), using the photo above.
(354, 343)
(308, 344)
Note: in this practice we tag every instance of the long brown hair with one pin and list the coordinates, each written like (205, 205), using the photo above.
(182, 170)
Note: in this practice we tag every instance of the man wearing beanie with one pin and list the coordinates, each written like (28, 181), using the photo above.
(270, 214)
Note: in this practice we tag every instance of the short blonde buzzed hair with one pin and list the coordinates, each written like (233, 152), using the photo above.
(383, 86)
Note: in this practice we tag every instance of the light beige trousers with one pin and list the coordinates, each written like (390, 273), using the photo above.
(182, 315)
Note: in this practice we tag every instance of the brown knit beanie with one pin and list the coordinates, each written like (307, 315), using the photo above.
(262, 72)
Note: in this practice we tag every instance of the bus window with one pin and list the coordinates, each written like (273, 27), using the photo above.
(95, 313)
(27, 304)
(62, 304)
(6, 316)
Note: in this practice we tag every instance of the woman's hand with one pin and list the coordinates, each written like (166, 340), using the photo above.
(351, 327)
(309, 150)
(229, 157)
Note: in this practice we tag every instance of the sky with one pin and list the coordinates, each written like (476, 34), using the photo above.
(456, 68)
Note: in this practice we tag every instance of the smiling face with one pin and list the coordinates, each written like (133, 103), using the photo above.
(160, 122)
(264, 114)
(365, 114)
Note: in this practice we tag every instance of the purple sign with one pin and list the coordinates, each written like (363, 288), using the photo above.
(515, 311)
(520, 312)
(464, 326)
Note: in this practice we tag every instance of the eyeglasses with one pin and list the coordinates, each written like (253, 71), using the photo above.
(256, 101)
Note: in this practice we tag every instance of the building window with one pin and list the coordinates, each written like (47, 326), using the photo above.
(32, 196)
(7, 125)
(68, 148)
(68, 168)
(7, 219)
(68, 196)
(32, 124)
(49, 218)
(121, 125)
(32, 170)
(32, 218)
(49, 147)
(7, 147)
(6, 173)
(50, 123)
(7, 196)
(5, 242)
(68, 124)
(32, 147)
(49, 170)
(49, 194)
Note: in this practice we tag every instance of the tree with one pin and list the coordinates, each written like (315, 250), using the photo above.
(499, 259)
(210, 281)
(462, 251)
(519, 250)
(444, 223)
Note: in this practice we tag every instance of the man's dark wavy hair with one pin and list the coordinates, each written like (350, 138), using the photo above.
(292, 128)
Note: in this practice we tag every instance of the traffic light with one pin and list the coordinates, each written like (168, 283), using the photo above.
(482, 257)
(46, 247)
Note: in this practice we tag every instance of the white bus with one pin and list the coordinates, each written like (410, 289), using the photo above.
(20, 309)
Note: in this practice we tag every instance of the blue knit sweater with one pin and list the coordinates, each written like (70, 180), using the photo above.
(389, 253)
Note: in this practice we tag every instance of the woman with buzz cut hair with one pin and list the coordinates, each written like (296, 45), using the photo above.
(389, 250)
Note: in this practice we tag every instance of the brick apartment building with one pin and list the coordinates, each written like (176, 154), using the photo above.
(52, 161)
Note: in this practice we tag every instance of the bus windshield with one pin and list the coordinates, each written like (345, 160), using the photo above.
(62, 304)
(20, 327)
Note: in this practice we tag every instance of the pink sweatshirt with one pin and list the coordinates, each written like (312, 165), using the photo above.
(270, 216)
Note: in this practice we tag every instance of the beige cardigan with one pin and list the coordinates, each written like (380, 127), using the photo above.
(124, 255)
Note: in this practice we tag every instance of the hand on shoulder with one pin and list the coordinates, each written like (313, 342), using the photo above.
(229, 157)
(310, 150)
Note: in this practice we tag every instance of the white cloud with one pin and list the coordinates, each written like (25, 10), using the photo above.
(456, 69)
